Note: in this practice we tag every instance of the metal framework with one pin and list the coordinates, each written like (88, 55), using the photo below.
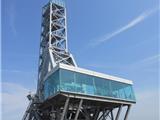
(64, 106)
(53, 46)
(71, 107)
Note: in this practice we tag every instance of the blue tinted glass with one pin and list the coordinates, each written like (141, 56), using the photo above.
(91, 85)
(87, 83)
(51, 85)
(102, 87)
(69, 81)
(79, 83)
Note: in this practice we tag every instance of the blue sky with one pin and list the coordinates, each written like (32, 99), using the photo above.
(114, 37)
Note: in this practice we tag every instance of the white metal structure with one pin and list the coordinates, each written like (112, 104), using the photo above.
(88, 72)
(54, 54)
(53, 45)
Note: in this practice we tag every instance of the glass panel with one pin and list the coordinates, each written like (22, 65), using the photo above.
(51, 85)
(87, 84)
(91, 85)
(129, 92)
(117, 91)
(70, 81)
(102, 87)
(67, 80)
(79, 83)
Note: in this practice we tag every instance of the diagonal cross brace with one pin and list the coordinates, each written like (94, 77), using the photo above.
(78, 110)
(127, 112)
(65, 108)
(118, 113)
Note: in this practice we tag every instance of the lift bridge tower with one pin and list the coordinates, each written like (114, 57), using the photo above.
(67, 92)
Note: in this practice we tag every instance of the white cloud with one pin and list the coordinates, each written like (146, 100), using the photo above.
(145, 64)
(151, 59)
(147, 106)
(14, 101)
(131, 24)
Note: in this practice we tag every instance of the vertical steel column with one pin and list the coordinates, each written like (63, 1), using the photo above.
(127, 112)
(66, 45)
(50, 22)
(78, 110)
(118, 113)
(65, 109)
(112, 117)
(104, 112)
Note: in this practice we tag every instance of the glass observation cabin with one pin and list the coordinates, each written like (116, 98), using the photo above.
(78, 81)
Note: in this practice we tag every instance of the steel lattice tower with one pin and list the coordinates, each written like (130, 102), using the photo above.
(53, 47)
(57, 98)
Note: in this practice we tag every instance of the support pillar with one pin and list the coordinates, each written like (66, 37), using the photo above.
(96, 114)
(104, 115)
(127, 112)
(112, 117)
(65, 109)
(118, 113)
(78, 110)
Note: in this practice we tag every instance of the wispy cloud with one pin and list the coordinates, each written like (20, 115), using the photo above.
(12, 71)
(14, 101)
(17, 71)
(12, 18)
(131, 24)
(146, 64)
(151, 59)
(146, 98)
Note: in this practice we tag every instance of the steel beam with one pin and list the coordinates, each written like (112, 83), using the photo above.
(78, 110)
(65, 108)
(85, 114)
(104, 117)
(112, 116)
(96, 114)
(27, 112)
(127, 112)
(118, 113)
(104, 114)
